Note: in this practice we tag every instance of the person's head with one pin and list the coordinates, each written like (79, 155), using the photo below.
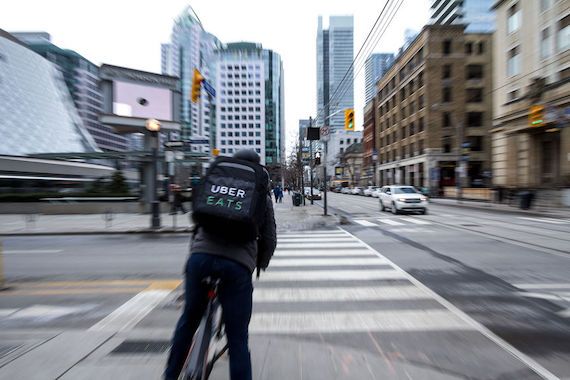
(247, 155)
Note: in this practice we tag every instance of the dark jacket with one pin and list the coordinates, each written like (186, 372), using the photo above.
(251, 254)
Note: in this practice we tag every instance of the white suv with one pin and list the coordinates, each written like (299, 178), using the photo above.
(402, 198)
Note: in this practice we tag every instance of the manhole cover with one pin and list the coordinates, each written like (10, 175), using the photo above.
(142, 347)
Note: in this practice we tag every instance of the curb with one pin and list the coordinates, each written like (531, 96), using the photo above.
(82, 233)
(490, 207)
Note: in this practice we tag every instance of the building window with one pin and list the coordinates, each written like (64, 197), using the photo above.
(513, 62)
(474, 119)
(421, 102)
(474, 95)
(421, 124)
(480, 48)
(512, 95)
(545, 43)
(564, 73)
(447, 47)
(446, 119)
(446, 95)
(469, 48)
(475, 143)
(446, 144)
(446, 72)
(564, 34)
(420, 80)
(513, 19)
(474, 72)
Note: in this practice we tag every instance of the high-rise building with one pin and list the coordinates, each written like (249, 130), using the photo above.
(375, 67)
(249, 101)
(192, 48)
(36, 109)
(335, 82)
(531, 137)
(477, 15)
(81, 77)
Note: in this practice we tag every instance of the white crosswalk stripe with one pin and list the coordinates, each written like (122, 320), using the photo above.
(390, 222)
(416, 221)
(544, 220)
(365, 223)
(311, 277)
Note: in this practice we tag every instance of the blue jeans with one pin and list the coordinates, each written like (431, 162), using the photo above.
(235, 295)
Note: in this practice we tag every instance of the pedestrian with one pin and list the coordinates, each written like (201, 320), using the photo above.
(228, 253)
(177, 201)
(280, 195)
(276, 191)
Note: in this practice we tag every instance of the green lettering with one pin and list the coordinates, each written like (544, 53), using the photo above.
(220, 202)
(238, 206)
(210, 200)
(230, 201)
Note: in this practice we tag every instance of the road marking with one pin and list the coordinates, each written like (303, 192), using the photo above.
(339, 294)
(523, 358)
(373, 260)
(320, 245)
(362, 321)
(543, 286)
(365, 223)
(342, 275)
(134, 310)
(321, 232)
(46, 313)
(31, 251)
(335, 252)
(416, 221)
(313, 239)
(59, 292)
(390, 222)
(543, 220)
(7, 312)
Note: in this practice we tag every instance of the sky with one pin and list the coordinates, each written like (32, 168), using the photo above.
(129, 33)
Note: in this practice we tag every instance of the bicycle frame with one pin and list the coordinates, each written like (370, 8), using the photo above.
(197, 366)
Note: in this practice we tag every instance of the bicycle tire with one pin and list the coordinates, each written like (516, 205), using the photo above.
(197, 357)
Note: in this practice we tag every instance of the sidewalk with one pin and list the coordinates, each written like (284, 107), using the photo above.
(562, 212)
(288, 218)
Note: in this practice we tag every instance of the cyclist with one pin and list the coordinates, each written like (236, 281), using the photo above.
(233, 263)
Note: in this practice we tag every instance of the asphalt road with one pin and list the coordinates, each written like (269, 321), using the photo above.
(334, 304)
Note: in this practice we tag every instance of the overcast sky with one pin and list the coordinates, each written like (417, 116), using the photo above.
(129, 33)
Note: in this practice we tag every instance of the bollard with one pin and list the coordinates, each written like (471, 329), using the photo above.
(2, 281)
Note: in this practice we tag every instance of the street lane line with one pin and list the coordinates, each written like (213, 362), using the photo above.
(31, 251)
(324, 252)
(390, 222)
(362, 321)
(542, 220)
(134, 310)
(300, 262)
(416, 221)
(331, 245)
(361, 293)
(332, 275)
(320, 232)
(543, 286)
(316, 239)
(365, 223)
(523, 358)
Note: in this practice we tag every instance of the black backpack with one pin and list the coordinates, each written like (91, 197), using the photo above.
(230, 200)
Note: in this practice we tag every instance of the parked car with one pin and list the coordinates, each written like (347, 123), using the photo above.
(369, 190)
(376, 193)
(316, 193)
(402, 199)
(357, 190)
(346, 190)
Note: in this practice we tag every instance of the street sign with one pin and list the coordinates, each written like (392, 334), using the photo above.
(325, 130)
(338, 170)
(209, 89)
(173, 144)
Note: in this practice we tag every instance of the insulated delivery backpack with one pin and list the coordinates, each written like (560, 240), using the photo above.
(230, 200)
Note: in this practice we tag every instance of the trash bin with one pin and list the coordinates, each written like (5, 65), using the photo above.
(297, 199)
(525, 199)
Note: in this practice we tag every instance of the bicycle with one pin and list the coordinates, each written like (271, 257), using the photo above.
(203, 352)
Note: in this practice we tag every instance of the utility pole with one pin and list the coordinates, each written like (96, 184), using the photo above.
(325, 177)
(460, 169)
(311, 162)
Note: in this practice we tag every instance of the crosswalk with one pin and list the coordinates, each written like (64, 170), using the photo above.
(393, 222)
(331, 282)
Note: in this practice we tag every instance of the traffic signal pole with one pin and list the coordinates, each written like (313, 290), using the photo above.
(311, 162)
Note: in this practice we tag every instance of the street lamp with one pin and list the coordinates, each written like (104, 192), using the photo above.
(153, 126)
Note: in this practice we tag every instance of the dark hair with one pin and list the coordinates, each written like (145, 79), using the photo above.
(247, 155)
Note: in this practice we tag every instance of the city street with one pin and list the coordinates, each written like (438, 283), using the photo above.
(386, 296)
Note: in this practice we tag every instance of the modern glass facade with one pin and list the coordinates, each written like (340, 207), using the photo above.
(375, 67)
(477, 15)
(37, 111)
(249, 101)
(191, 47)
(81, 77)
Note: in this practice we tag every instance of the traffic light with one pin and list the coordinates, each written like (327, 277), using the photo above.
(196, 85)
(536, 116)
(349, 119)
